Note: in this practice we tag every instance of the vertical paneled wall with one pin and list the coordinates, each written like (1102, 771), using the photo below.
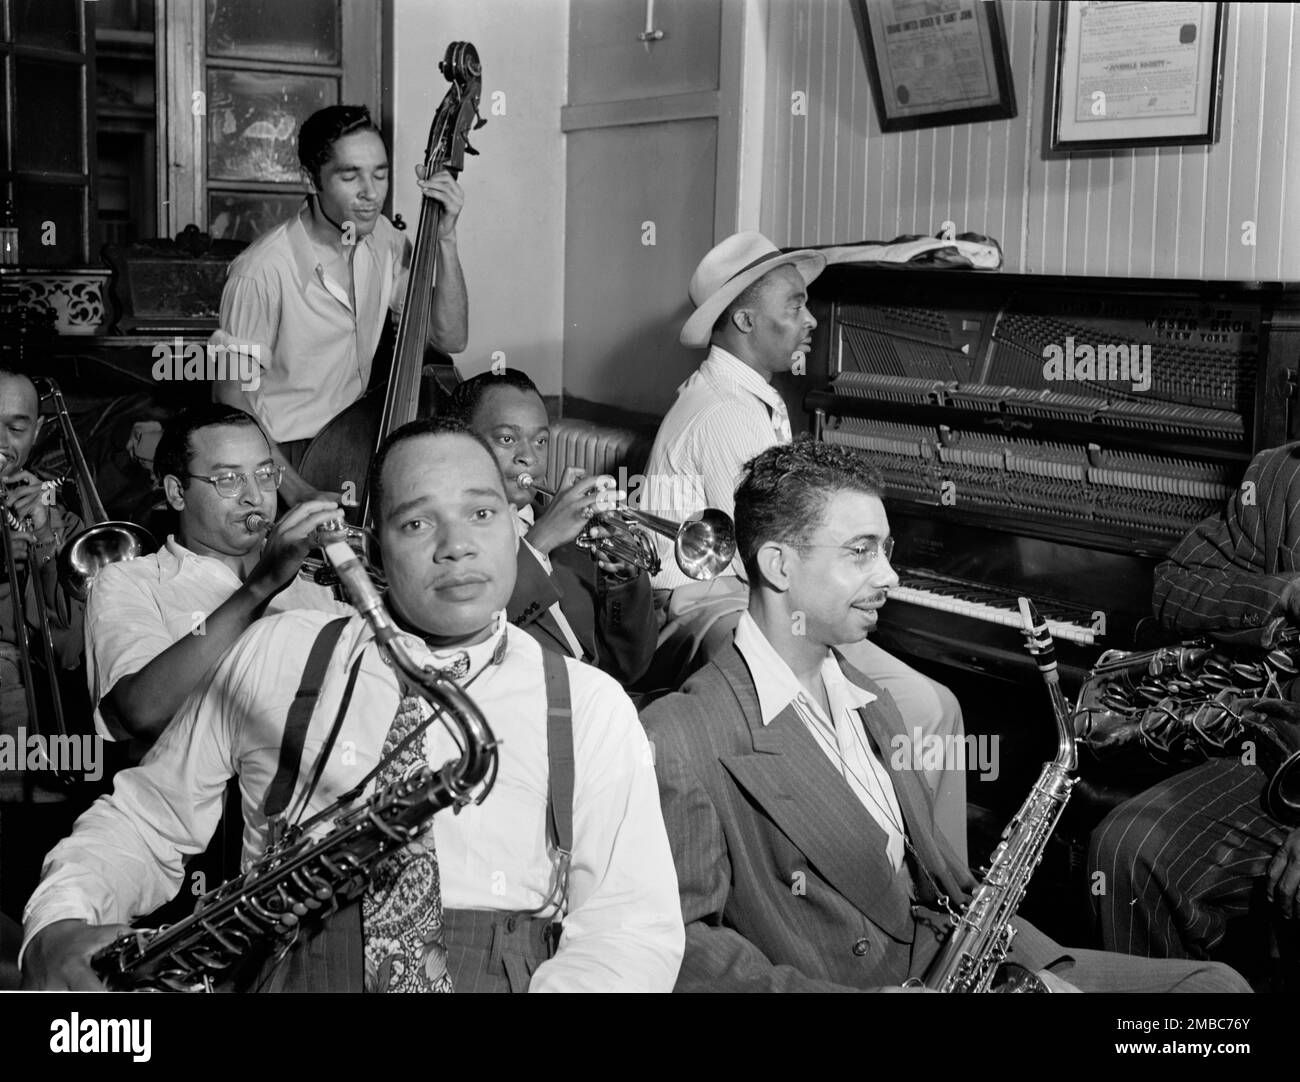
(832, 176)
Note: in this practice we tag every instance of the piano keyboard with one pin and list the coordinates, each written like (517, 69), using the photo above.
(990, 604)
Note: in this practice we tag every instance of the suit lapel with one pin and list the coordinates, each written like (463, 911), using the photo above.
(885, 726)
(794, 782)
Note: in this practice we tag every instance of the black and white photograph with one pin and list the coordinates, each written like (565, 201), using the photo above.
(645, 496)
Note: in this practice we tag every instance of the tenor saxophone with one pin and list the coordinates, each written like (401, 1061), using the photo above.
(970, 958)
(299, 882)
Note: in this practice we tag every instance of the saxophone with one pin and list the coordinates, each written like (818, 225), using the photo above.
(1183, 703)
(300, 881)
(981, 936)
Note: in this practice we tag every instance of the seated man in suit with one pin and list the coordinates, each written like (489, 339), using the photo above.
(751, 312)
(1188, 855)
(805, 846)
(603, 614)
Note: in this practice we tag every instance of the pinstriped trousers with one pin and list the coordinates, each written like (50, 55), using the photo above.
(1182, 859)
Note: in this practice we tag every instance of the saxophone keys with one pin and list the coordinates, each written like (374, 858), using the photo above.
(1217, 667)
(1281, 661)
(1153, 693)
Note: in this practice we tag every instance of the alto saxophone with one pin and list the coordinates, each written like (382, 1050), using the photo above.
(300, 881)
(981, 936)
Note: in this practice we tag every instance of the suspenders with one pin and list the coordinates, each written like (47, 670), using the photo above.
(559, 746)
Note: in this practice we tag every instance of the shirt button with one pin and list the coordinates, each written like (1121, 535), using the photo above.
(861, 947)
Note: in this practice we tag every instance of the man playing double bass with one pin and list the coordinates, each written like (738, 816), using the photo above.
(312, 295)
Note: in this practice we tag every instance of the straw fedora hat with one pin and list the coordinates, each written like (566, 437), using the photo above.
(728, 269)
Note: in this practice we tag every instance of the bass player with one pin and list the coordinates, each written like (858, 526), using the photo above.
(310, 297)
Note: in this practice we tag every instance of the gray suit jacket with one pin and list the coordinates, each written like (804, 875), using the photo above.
(784, 881)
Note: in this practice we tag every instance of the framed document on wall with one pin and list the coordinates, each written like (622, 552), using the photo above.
(1137, 75)
(937, 62)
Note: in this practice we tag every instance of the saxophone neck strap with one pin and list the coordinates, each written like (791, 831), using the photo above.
(559, 743)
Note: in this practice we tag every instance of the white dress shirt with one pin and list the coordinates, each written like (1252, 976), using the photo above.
(138, 608)
(623, 925)
(843, 739)
(724, 415)
(315, 351)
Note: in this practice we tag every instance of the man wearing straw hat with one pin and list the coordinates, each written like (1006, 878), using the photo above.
(751, 314)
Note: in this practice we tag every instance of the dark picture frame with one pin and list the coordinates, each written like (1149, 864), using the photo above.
(1184, 88)
(957, 50)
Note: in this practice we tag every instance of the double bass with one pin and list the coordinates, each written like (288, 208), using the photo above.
(338, 458)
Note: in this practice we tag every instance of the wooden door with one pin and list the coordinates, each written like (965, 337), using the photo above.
(651, 152)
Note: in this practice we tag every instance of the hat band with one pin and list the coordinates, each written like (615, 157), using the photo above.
(755, 263)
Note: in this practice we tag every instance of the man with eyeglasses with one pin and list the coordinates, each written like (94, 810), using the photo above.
(807, 855)
(155, 625)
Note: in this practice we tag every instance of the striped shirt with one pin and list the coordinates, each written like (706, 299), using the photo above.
(1239, 570)
(724, 415)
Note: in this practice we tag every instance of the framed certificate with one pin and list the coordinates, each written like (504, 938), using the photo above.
(937, 62)
(1137, 74)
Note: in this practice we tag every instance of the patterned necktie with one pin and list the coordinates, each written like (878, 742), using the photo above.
(401, 910)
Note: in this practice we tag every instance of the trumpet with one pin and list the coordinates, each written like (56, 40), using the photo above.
(317, 568)
(703, 545)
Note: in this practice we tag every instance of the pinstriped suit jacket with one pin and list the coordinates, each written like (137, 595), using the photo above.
(1235, 572)
(783, 876)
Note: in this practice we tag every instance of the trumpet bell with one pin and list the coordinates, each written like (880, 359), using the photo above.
(705, 545)
(82, 557)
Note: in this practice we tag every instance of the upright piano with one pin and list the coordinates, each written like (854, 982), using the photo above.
(1025, 452)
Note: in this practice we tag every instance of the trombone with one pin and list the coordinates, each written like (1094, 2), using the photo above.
(704, 544)
(79, 560)
(103, 541)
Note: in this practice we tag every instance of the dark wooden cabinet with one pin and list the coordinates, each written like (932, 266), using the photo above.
(125, 119)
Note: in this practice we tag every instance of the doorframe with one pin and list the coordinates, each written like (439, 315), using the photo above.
(736, 105)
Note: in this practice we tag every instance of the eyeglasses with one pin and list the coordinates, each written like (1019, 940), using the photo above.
(231, 484)
(864, 554)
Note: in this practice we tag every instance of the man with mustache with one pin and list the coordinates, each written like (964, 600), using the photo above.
(310, 298)
(155, 625)
(806, 849)
(751, 311)
(447, 534)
